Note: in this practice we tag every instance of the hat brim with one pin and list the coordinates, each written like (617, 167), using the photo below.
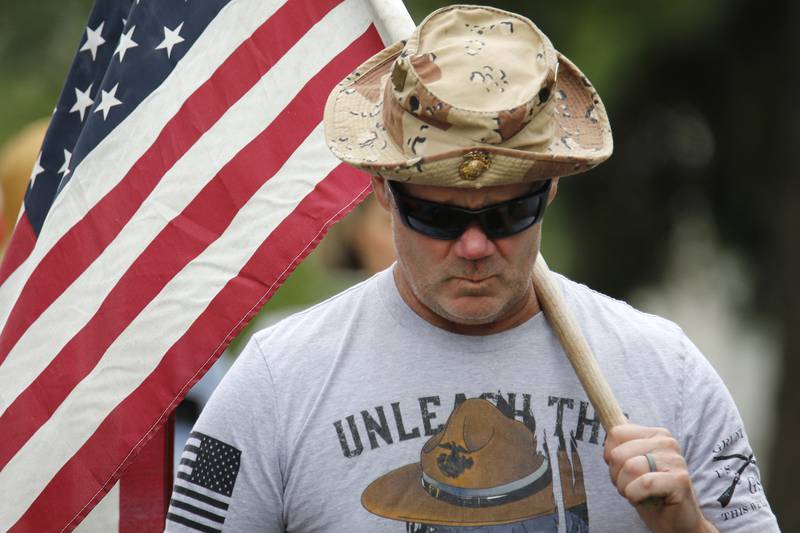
(399, 495)
(355, 132)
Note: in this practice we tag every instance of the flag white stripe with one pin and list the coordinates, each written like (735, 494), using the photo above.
(105, 516)
(199, 503)
(187, 454)
(40, 343)
(202, 490)
(233, 25)
(197, 518)
(172, 311)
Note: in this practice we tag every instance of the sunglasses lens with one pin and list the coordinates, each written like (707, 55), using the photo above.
(435, 221)
(511, 218)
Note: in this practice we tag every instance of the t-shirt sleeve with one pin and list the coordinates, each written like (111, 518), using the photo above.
(229, 477)
(724, 470)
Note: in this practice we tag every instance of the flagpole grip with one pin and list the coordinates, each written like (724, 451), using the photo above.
(391, 19)
(577, 349)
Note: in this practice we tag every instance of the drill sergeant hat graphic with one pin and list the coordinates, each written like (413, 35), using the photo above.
(482, 469)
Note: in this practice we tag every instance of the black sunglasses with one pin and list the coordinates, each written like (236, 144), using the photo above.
(448, 222)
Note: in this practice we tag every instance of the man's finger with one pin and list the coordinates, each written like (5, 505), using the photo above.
(626, 432)
(667, 485)
(616, 457)
(638, 466)
(632, 469)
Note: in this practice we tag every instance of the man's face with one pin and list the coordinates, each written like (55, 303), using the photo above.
(472, 284)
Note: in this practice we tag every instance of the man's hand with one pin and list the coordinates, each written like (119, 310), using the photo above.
(664, 498)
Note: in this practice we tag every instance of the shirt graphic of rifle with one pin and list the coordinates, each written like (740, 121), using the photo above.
(725, 497)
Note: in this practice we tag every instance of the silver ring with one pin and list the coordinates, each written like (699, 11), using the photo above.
(651, 462)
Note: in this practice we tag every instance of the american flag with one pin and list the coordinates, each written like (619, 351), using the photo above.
(183, 176)
(204, 485)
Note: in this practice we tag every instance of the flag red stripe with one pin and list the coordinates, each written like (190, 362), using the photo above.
(93, 470)
(145, 488)
(183, 239)
(84, 242)
(19, 248)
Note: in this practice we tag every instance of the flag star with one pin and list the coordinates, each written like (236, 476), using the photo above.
(125, 41)
(171, 38)
(37, 169)
(93, 40)
(82, 101)
(108, 100)
(64, 170)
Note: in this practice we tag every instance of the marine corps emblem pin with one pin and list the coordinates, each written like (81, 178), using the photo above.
(474, 164)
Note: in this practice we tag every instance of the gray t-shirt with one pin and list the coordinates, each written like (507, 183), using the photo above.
(358, 414)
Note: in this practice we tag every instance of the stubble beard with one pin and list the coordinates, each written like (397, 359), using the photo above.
(435, 294)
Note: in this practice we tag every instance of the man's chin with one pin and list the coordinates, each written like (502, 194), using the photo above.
(478, 311)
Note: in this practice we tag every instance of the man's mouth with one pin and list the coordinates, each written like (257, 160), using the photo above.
(473, 280)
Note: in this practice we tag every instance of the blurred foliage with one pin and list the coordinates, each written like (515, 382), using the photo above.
(37, 42)
(701, 96)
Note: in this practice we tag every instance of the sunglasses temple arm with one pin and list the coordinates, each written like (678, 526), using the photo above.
(577, 349)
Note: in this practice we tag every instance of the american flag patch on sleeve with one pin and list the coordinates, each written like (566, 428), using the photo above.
(204, 483)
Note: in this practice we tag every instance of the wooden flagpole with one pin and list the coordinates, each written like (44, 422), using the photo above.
(574, 343)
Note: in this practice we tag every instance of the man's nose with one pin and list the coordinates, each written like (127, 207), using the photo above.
(473, 244)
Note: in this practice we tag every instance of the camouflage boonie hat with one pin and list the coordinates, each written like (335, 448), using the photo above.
(477, 96)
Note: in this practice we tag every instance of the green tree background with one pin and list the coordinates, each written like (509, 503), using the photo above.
(701, 95)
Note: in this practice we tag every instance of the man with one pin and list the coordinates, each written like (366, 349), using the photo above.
(434, 396)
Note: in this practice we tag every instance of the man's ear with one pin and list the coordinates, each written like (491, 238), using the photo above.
(379, 188)
(553, 191)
